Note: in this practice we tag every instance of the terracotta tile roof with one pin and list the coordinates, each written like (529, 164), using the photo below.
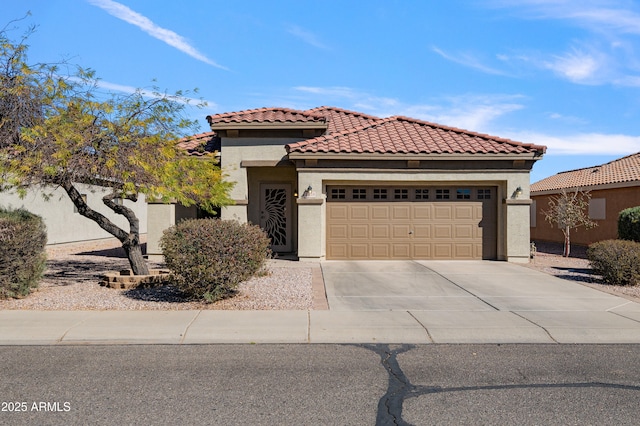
(339, 119)
(200, 144)
(266, 115)
(409, 136)
(626, 169)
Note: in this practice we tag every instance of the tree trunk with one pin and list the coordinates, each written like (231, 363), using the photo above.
(136, 260)
(567, 243)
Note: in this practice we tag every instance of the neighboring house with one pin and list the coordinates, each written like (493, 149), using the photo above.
(328, 183)
(64, 223)
(613, 187)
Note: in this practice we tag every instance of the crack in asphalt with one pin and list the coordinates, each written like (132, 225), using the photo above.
(399, 387)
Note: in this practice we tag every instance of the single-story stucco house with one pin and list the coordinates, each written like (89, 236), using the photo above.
(328, 183)
(613, 187)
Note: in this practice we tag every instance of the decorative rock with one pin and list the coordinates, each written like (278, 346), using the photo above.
(125, 279)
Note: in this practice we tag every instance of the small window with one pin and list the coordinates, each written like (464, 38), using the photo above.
(463, 194)
(484, 194)
(422, 194)
(359, 194)
(338, 194)
(442, 194)
(401, 194)
(379, 194)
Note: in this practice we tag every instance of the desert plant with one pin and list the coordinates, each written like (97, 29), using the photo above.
(617, 261)
(629, 224)
(23, 237)
(569, 210)
(208, 258)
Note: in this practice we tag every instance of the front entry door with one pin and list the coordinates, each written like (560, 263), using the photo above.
(275, 214)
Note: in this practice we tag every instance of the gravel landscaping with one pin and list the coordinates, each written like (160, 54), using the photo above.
(71, 282)
(73, 270)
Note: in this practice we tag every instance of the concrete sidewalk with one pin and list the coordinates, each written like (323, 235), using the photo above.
(472, 302)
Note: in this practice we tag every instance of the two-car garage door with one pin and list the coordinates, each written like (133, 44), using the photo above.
(411, 222)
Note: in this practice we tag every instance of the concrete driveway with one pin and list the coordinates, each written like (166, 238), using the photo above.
(455, 286)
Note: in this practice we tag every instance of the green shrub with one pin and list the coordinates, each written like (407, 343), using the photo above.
(210, 257)
(23, 237)
(629, 224)
(617, 261)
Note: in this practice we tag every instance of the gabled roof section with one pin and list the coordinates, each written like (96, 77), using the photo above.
(200, 144)
(266, 116)
(341, 119)
(402, 135)
(625, 169)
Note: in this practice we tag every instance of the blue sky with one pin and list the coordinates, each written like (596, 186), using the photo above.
(561, 73)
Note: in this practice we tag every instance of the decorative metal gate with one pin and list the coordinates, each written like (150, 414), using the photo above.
(274, 215)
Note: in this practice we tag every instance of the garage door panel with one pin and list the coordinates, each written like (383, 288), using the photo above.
(337, 231)
(400, 212)
(464, 212)
(380, 251)
(358, 212)
(359, 250)
(380, 231)
(338, 212)
(442, 251)
(422, 211)
(420, 229)
(401, 232)
(442, 212)
(358, 231)
(442, 231)
(401, 251)
(463, 231)
(380, 212)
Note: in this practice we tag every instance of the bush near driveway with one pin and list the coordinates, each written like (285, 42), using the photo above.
(210, 257)
(617, 261)
(629, 224)
(23, 237)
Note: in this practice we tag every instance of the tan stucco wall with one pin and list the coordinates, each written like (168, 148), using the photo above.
(63, 224)
(236, 150)
(617, 199)
(513, 219)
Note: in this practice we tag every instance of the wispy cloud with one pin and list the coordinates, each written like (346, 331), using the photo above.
(582, 143)
(468, 60)
(469, 111)
(613, 26)
(122, 88)
(306, 36)
(169, 37)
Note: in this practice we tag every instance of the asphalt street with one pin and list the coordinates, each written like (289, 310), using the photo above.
(320, 384)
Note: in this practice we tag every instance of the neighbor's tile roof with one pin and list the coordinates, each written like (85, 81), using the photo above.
(409, 136)
(266, 115)
(339, 119)
(626, 169)
(200, 144)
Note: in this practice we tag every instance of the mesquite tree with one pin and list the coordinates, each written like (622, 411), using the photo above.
(61, 131)
(569, 210)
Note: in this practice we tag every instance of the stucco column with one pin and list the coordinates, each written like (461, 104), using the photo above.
(311, 219)
(159, 217)
(518, 233)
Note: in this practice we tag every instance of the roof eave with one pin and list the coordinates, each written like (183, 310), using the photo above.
(267, 126)
(410, 156)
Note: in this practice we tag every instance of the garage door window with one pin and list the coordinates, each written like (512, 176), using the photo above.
(463, 194)
(422, 194)
(338, 193)
(379, 194)
(359, 194)
(484, 194)
(401, 194)
(442, 194)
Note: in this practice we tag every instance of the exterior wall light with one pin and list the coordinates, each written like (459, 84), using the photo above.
(518, 192)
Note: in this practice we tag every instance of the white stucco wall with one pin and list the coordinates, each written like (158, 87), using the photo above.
(64, 225)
